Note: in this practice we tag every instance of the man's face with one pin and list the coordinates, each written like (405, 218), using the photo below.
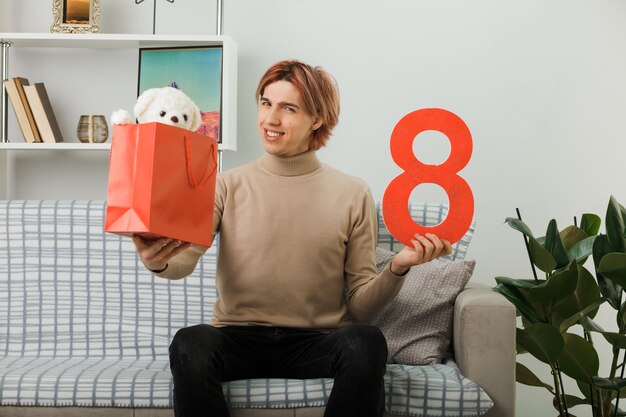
(284, 124)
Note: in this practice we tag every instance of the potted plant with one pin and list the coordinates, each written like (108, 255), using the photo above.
(557, 309)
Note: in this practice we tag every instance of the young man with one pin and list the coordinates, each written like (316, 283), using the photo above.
(296, 267)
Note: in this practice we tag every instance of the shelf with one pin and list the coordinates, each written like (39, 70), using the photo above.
(128, 41)
(62, 146)
(69, 146)
(95, 40)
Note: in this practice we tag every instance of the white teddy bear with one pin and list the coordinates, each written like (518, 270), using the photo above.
(166, 105)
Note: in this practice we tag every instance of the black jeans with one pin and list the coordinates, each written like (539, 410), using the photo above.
(202, 357)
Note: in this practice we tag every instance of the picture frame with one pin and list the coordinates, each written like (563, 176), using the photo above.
(196, 70)
(75, 16)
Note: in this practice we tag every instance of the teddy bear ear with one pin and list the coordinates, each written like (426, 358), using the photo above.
(144, 100)
(121, 117)
(196, 119)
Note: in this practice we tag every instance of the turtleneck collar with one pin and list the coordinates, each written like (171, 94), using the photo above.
(290, 166)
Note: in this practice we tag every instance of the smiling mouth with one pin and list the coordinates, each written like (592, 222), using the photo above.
(271, 135)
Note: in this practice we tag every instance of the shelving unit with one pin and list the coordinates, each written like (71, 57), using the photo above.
(62, 146)
(77, 44)
(117, 41)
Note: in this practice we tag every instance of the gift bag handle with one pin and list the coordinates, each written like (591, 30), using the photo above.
(190, 175)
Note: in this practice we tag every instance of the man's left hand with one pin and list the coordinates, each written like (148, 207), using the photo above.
(425, 249)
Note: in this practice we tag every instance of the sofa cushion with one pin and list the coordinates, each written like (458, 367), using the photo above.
(425, 214)
(417, 323)
(113, 382)
(434, 390)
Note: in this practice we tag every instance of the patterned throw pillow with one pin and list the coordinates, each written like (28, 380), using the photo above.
(418, 321)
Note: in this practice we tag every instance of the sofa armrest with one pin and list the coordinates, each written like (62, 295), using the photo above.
(484, 344)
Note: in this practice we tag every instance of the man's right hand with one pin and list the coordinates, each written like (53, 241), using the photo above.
(155, 254)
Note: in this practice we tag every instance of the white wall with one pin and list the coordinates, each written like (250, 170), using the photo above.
(541, 85)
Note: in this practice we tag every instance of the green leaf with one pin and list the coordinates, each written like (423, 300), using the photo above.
(608, 288)
(585, 294)
(584, 389)
(542, 341)
(519, 225)
(540, 256)
(575, 318)
(554, 245)
(557, 288)
(582, 249)
(615, 384)
(579, 359)
(573, 401)
(615, 226)
(590, 325)
(621, 317)
(568, 398)
(601, 246)
(617, 340)
(519, 301)
(572, 235)
(590, 224)
(525, 284)
(613, 267)
(587, 291)
(525, 376)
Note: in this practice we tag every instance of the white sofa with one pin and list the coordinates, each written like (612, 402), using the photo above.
(84, 331)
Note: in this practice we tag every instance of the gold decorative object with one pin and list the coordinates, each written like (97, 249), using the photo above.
(92, 128)
(75, 16)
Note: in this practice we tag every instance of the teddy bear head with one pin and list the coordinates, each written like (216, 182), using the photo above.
(168, 105)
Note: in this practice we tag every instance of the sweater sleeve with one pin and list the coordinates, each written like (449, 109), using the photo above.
(368, 292)
(185, 262)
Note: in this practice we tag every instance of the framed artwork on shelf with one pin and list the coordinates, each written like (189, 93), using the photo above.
(75, 16)
(197, 71)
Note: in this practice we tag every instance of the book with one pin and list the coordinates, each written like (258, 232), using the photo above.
(19, 107)
(43, 113)
(19, 84)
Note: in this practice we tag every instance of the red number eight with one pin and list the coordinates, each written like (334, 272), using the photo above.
(396, 198)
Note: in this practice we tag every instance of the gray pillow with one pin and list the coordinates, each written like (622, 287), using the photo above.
(418, 321)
